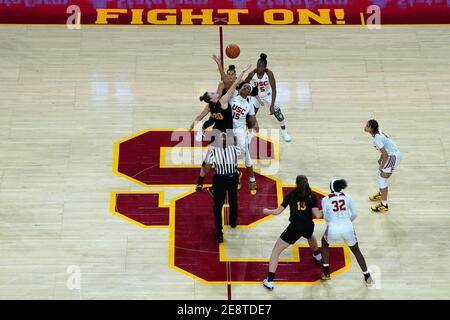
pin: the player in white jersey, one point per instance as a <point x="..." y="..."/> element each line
<point x="241" y="108"/>
<point x="389" y="159"/>
<point x="339" y="211"/>
<point x="264" y="79"/>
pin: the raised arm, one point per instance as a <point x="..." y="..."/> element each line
<point x="227" y="96"/>
<point x="223" y="75"/>
<point x="220" y="87"/>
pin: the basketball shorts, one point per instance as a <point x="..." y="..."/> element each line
<point x="292" y="233"/>
<point x="392" y="162"/>
<point x="337" y="232"/>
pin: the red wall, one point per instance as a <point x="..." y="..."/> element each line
<point x="392" y="12"/>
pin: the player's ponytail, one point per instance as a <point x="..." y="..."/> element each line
<point x="231" y="67"/>
<point x="263" y="59"/>
<point x="302" y="190"/>
<point x="205" y="97"/>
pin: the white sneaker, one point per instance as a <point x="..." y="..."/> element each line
<point x="369" y="281"/>
<point x="318" y="258"/>
<point x="199" y="136"/>
<point x="268" y="284"/>
<point x="286" y="136"/>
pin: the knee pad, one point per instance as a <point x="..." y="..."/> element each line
<point x="279" y="115"/>
<point x="382" y="182"/>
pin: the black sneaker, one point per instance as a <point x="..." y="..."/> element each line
<point x="326" y="273"/>
<point x="233" y="224"/>
<point x="199" y="187"/>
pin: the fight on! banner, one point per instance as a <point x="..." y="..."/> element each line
<point x="225" y="12"/>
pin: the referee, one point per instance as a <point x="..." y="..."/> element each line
<point x="223" y="154"/>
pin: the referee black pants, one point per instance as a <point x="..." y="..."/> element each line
<point x="223" y="184"/>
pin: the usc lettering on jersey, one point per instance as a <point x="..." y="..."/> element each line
<point x="240" y="108"/>
<point x="237" y="112"/>
<point x="263" y="84"/>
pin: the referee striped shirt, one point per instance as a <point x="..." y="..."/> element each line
<point x="224" y="159"/>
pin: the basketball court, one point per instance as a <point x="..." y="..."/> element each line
<point x="84" y="112"/>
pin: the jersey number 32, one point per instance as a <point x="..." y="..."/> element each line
<point x="338" y="205"/>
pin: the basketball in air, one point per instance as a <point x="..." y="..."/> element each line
<point x="232" y="51"/>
